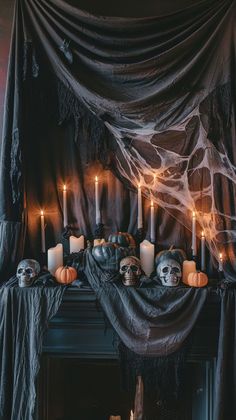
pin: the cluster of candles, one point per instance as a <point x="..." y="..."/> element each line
<point x="147" y="249"/>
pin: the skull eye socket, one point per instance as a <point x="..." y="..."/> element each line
<point x="124" y="268"/>
<point x="134" y="268"/>
<point x="165" y="270"/>
<point x="175" y="270"/>
<point x="20" y="270"/>
<point x="29" y="270"/>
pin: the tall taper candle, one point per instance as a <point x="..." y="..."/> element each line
<point x="203" y="255"/>
<point x="152" y="223"/>
<point x="140" y="209"/>
<point x="43" y="246"/>
<point x="220" y="262"/>
<point x="194" y="239"/>
<point x="98" y="214"/>
<point x="65" y="217"/>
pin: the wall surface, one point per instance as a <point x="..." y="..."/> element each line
<point x="6" y="16"/>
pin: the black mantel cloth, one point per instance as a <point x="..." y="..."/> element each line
<point x="24" y="317"/>
<point x="151" y="322"/>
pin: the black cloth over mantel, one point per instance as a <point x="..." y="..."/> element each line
<point x="146" y="97"/>
<point x="24" y="317"/>
<point x="150" y="322"/>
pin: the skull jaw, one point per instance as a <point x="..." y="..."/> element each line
<point x="25" y="281"/>
<point x="170" y="281"/>
<point x="130" y="280"/>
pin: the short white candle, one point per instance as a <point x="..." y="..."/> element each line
<point x="147" y="251"/>
<point x="76" y="244"/>
<point x="43" y="245"/>
<point x="55" y="258"/>
<point x="194" y="239"/>
<point x="220" y="261"/>
<point x="203" y="254"/>
<point x="97" y="207"/>
<point x="152" y="223"/>
<point x="188" y="267"/>
<point x="65" y="216"/>
<point x="140" y="209"/>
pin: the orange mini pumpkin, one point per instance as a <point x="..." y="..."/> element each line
<point x="197" y="279"/>
<point x="65" y="275"/>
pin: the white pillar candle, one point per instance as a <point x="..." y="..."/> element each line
<point x="152" y="223"/>
<point x="43" y="245"/>
<point x="76" y="244"/>
<point x="188" y="267"/>
<point x="65" y="217"/>
<point x="220" y="262"/>
<point x="194" y="239"/>
<point x="97" y="207"/>
<point x="147" y="251"/>
<point x="55" y="258"/>
<point x="140" y="209"/>
<point x="203" y="253"/>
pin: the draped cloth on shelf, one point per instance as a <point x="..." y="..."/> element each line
<point x="152" y="99"/>
<point x="151" y="322"/>
<point x="24" y="315"/>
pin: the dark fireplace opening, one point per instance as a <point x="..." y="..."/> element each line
<point x="91" y="389"/>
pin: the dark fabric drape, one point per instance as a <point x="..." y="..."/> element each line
<point x="24" y="315"/>
<point x="225" y="381"/>
<point x="154" y="97"/>
<point x="152" y="322"/>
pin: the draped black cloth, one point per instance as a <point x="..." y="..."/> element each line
<point x="225" y="382"/>
<point x="152" y="99"/>
<point x="24" y="317"/>
<point x="151" y="322"/>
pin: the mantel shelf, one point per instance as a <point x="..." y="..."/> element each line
<point x="80" y="330"/>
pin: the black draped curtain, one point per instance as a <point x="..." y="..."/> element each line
<point x="133" y="100"/>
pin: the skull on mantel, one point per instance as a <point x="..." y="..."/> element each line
<point x="169" y="267"/>
<point x="130" y="269"/>
<point x="27" y="272"/>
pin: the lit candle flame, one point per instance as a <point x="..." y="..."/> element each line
<point x="152" y="204"/>
<point x="42" y="213"/>
<point x="64" y="187"/>
<point x="96" y="178"/>
<point x="194" y="214"/>
<point x="139" y="185"/>
<point x="203" y="234"/>
<point x="221" y="256"/>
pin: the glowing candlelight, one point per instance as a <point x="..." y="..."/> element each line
<point x="220" y="262"/>
<point x="140" y="209"/>
<point x="43" y="246"/>
<point x="194" y="239"/>
<point x="97" y="209"/>
<point x="152" y="222"/>
<point x="65" y="217"/>
<point x="203" y="256"/>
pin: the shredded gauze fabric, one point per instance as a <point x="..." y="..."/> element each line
<point x="24" y="315"/>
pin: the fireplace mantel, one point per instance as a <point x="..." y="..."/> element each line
<point x="79" y="338"/>
<point x="79" y="328"/>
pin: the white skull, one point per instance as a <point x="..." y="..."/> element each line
<point x="27" y="271"/>
<point x="169" y="272"/>
<point x="130" y="269"/>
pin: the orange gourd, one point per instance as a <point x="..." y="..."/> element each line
<point x="65" y="274"/>
<point x="197" y="279"/>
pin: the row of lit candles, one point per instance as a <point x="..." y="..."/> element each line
<point x="139" y="224"/>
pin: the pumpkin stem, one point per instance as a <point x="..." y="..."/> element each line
<point x="171" y="247"/>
